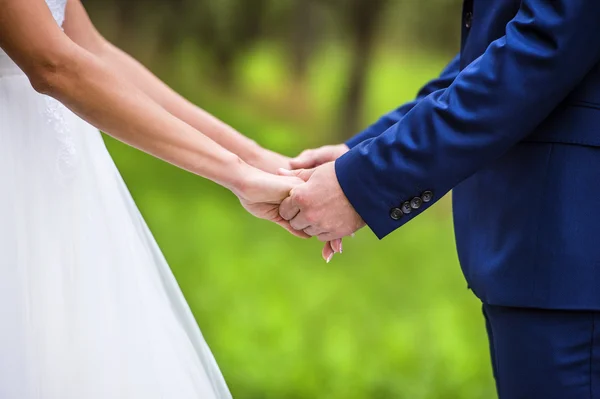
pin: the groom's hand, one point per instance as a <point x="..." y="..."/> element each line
<point x="319" y="207"/>
<point x="318" y="156"/>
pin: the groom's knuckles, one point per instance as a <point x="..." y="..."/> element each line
<point x="306" y="218"/>
<point x="299" y="198"/>
<point x="310" y="217"/>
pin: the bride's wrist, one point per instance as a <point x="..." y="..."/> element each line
<point x="254" y="153"/>
<point x="241" y="173"/>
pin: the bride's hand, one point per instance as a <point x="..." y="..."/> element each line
<point x="269" y="161"/>
<point x="331" y="248"/>
<point x="262" y="194"/>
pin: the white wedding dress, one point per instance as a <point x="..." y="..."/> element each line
<point x="89" y="309"/>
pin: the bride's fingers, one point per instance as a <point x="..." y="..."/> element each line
<point x="328" y="252"/>
<point x="285" y="172"/>
<point x="331" y="248"/>
<point x="336" y="245"/>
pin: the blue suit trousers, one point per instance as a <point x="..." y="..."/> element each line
<point x="544" y="354"/>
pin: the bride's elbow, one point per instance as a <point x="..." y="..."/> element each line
<point x="52" y="74"/>
<point x="42" y="81"/>
<point x="46" y="78"/>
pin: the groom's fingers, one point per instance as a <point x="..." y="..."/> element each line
<point x="288" y="210"/>
<point x="300" y="222"/>
<point x="313" y="231"/>
<point x="303" y="174"/>
<point x="286" y="225"/>
<point x="325" y="237"/>
<point x="306" y="159"/>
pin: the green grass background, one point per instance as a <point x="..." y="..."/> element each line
<point x="387" y="319"/>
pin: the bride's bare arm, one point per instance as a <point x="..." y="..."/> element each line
<point x="81" y="30"/>
<point x="58" y="67"/>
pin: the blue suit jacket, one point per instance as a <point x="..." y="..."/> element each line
<point x="513" y="126"/>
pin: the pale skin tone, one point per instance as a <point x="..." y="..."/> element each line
<point x="118" y="96"/>
<point x="319" y="207"/>
<point x="80" y="29"/>
<point x="306" y="208"/>
<point x="312" y="158"/>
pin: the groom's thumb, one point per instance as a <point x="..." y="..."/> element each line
<point x="303" y="174"/>
<point x="306" y="159"/>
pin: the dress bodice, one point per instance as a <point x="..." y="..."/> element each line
<point x="57" y="7"/>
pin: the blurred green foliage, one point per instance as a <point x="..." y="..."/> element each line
<point x="386" y="319"/>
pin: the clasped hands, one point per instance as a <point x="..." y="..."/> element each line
<point x="319" y="207"/>
<point x="305" y="199"/>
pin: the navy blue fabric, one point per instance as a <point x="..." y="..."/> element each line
<point x="544" y="354"/>
<point x="516" y="135"/>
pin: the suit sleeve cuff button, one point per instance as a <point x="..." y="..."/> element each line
<point x="406" y="208"/>
<point x="396" y="214"/>
<point x="416" y="203"/>
<point x="427" y="196"/>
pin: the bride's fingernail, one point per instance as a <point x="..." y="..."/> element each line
<point x="341" y="248"/>
<point x="329" y="258"/>
<point x="352" y="235"/>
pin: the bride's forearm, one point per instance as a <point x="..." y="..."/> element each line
<point x="177" y="105"/>
<point x="63" y="69"/>
<point x="80" y="29"/>
<point x="110" y="102"/>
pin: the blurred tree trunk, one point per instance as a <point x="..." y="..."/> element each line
<point x="228" y="32"/>
<point x="225" y="57"/>
<point x="302" y="37"/>
<point x="126" y="12"/>
<point x="362" y="18"/>
<point x="173" y="29"/>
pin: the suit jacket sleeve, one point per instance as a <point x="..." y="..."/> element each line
<point x="494" y="103"/>
<point x="385" y="122"/>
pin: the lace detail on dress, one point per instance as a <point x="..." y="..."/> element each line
<point x="57" y="7"/>
<point x="55" y="112"/>
<point x="67" y="152"/>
